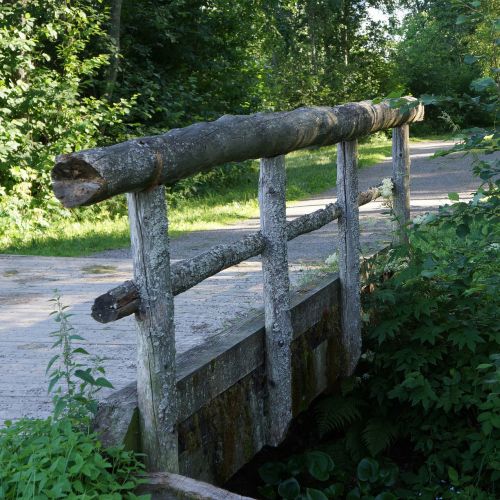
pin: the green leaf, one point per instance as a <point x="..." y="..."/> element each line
<point x="453" y="475"/>
<point x="272" y="472"/>
<point x="385" y="496"/>
<point x="85" y="376"/>
<point x="289" y="489"/>
<point x="319" y="465"/>
<point x="51" y="362"/>
<point x="461" y="19"/>
<point x="313" y="494"/>
<point x="80" y="350"/>
<point x="462" y="230"/>
<point x="103" y="382"/>
<point x="470" y="59"/>
<point x="454" y="196"/>
<point x="482" y="84"/>
<point x="334" y="490"/>
<point x="368" y="470"/>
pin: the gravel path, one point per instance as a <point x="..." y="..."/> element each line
<point x="27" y="283"/>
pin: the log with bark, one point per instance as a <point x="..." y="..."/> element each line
<point x="167" y="486"/>
<point x="90" y="176"/>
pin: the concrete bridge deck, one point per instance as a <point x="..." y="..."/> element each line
<point x="202" y="313"/>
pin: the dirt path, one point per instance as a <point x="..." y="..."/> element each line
<point x="27" y="284"/>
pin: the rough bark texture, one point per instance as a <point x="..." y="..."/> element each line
<point x="165" y="486"/>
<point x="123" y="300"/>
<point x="401" y="178"/>
<point x="222" y="389"/>
<point x="156" y="380"/>
<point x="349" y="269"/>
<point x="272" y="201"/>
<point x="93" y="175"/>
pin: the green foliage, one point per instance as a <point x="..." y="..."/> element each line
<point x="45" y="106"/>
<point x="435" y="330"/>
<point x="74" y="383"/>
<point x="60" y="457"/>
<point x="53" y="459"/>
<point x="421" y="415"/>
<point x="314" y="476"/>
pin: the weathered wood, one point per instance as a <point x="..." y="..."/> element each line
<point x="123" y="300"/>
<point x="156" y="380"/>
<point x="348" y="248"/>
<point x="276" y="281"/>
<point x="222" y="391"/>
<point x="86" y="177"/>
<point x="167" y="486"/>
<point x="401" y="179"/>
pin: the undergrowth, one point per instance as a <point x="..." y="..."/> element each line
<point x="420" y="418"/>
<point x="60" y="456"/>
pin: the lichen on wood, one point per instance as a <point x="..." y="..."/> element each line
<point x="87" y="177"/>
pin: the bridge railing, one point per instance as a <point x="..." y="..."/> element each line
<point x="142" y="167"/>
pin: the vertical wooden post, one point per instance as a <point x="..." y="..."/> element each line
<point x="156" y="380"/>
<point x="272" y="200"/>
<point x="348" y="224"/>
<point x="401" y="179"/>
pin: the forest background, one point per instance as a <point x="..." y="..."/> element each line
<point x="75" y="74"/>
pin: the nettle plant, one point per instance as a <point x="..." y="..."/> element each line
<point x="74" y="383"/>
<point x="60" y="457"/>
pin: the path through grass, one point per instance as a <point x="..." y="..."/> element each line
<point x="309" y="172"/>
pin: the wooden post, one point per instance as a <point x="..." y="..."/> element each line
<point x="272" y="200"/>
<point x="156" y="380"/>
<point x="348" y="224"/>
<point x="401" y="179"/>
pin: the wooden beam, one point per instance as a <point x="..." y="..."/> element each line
<point x="156" y="379"/>
<point x="165" y="486"/>
<point x="348" y="248"/>
<point x="401" y="179"/>
<point x="93" y="175"/>
<point x="123" y="300"/>
<point x="279" y="333"/>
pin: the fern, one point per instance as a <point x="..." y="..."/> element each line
<point x="336" y="413"/>
<point x="378" y="434"/>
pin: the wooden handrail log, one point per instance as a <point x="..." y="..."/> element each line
<point x="93" y="175"/>
<point x="124" y="300"/>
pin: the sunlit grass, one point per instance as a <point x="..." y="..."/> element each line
<point x="308" y="172"/>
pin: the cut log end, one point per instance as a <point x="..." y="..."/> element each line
<point x="77" y="183"/>
<point x="116" y="303"/>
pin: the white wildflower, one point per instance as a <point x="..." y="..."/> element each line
<point x="332" y="260"/>
<point x="386" y="188"/>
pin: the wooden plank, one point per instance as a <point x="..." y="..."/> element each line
<point x="401" y="178"/>
<point x="349" y="253"/>
<point x="279" y="333"/>
<point x="156" y="378"/>
<point x="93" y="175"/>
<point x="122" y="300"/>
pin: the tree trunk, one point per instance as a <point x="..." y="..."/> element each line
<point x="114" y="35"/>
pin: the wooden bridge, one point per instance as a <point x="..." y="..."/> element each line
<point x="206" y="413"/>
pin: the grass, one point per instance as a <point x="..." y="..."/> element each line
<point x="308" y="172"/>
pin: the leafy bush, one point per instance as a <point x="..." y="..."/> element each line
<point x="53" y="459"/>
<point x="421" y="415"/>
<point x="60" y="457"/>
<point x="46" y="69"/>
<point x="426" y="391"/>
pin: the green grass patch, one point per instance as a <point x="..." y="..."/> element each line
<point x="309" y="172"/>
